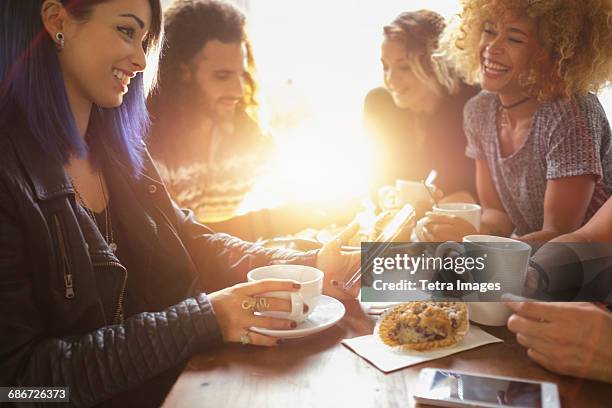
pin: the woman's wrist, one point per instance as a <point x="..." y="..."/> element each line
<point x="603" y="361"/>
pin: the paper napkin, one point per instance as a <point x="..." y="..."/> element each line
<point x="372" y="349"/>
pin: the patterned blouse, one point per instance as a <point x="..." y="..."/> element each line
<point x="567" y="138"/>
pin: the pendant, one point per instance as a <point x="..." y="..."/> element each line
<point x="113" y="247"/>
<point x="503" y="118"/>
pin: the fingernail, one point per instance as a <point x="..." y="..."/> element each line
<point x="334" y="282"/>
<point x="297" y="286"/>
<point x="305" y="308"/>
<point x="293" y="325"/>
<point x="279" y="341"/>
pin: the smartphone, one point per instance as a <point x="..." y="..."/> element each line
<point x="447" y="388"/>
<point x="404" y="218"/>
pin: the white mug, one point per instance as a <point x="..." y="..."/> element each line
<point x="404" y="192"/>
<point x="508" y="258"/>
<point x="468" y="211"/>
<point x="310" y="279"/>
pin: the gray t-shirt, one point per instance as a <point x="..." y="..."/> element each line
<point x="567" y="138"/>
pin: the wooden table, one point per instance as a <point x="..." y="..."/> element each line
<point x="318" y="371"/>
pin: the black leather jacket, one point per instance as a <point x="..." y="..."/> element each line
<point x="61" y="288"/>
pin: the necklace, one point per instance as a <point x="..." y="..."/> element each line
<point x="503" y="111"/>
<point x="515" y="104"/>
<point x="108" y="224"/>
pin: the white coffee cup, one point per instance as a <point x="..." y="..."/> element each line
<point x="468" y="211"/>
<point x="508" y="259"/>
<point x="404" y="192"/>
<point x="310" y="279"/>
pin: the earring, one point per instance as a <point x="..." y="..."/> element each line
<point x="59" y="36"/>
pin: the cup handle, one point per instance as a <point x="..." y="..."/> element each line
<point x="297" y="305"/>
<point x="447" y="246"/>
<point x="441" y="252"/>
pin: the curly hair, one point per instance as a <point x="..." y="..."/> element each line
<point x="575" y="41"/>
<point x="420" y="31"/>
<point x="189" y="25"/>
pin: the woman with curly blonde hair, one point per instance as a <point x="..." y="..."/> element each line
<point x="539" y="135"/>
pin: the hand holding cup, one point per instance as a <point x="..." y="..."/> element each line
<point x="449" y="222"/>
<point x="234" y="319"/>
<point x="444" y="227"/>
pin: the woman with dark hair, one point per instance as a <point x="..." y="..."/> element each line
<point x="417" y="117"/>
<point x="101" y="274"/>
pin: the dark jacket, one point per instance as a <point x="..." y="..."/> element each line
<point x="61" y="288"/>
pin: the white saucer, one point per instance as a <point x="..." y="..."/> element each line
<point x="328" y="312"/>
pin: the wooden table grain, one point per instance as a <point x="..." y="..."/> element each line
<point x="318" y="371"/>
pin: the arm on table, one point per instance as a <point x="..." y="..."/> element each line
<point x="225" y="260"/>
<point x="561" y="263"/>
<point x="597" y="229"/>
<point x="565" y="204"/>
<point x="566" y="338"/>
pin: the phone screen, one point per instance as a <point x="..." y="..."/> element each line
<point x="496" y="391"/>
<point x="390" y="232"/>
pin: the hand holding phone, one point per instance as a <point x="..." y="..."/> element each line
<point x="402" y="219"/>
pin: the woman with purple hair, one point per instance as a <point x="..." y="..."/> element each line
<point x="102" y="276"/>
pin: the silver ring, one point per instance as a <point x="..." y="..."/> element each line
<point x="245" y="338"/>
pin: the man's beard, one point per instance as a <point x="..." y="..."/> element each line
<point x="210" y="109"/>
<point x="224" y="114"/>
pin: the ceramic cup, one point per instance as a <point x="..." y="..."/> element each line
<point x="404" y="192"/>
<point x="468" y="211"/>
<point x="506" y="262"/>
<point x="310" y="278"/>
